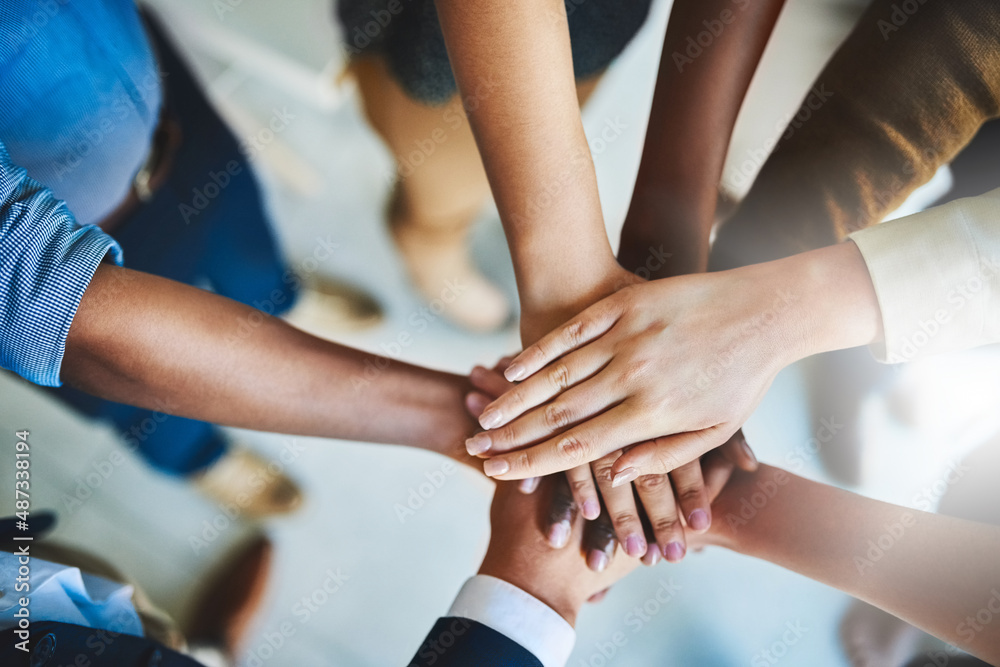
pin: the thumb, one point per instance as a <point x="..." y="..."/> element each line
<point x="665" y="454"/>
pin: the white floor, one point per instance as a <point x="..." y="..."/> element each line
<point x="402" y="575"/>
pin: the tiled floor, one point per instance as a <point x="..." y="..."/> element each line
<point x="401" y="574"/>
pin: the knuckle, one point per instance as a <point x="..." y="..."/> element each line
<point x="652" y="483"/>
<point x="573" y="333"/>
<point x="572" y="448"/>
<point x="691" y="495"/>
<point x="581" y="487"/>
<point x="557" y="416"/>
<point x="665" y="524"/>
<point x="602" y="473"/>
<point x="666" y="459"/>
<point x="559" y="376"/>
<point x="622" y="520"/>
<point x="520" y="461"/>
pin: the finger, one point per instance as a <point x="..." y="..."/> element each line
<point x="539" y="388"/>
<point x="561" y="515"/>
<point x="581" y="482"/>
<point x="657" y="496"/>
<point x="503" y="363"/>
<point x="652" y="556"/>
<point x="489" y="382"/>
<point x="598" y="596"/>
<point x="599" y="542"/>
<point x="716" y="469"/>
<point x="739" y="453"/>
<point x="620" y="504"/>
<point x="585" y="327"/>
<point x="577" y="404"/>
<point x="608" y="432"/>
<point x="476" y="402"/>
<point x="668" y="453"/>
<point x="689" y="486"/>
<point x="529" y="486"/>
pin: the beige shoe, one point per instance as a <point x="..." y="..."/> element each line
<point x="438" y="262"/>
<point x="243" y="480"/>
<point x="326" y="307"/>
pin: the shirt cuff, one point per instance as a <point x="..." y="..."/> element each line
<point x="937" y="278"/>
<point x="517" y="615"/>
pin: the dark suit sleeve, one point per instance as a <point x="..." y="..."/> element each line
<point x="459" y="642"/>
<point x="53" y="644"/>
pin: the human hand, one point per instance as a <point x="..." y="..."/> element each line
<point x="663" y="499"/>
<point x="676" y="365"/>
<point x="520" y="555"/>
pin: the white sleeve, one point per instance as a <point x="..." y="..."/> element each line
<point x="517" y="615"/>
<point x="937" y="278"/>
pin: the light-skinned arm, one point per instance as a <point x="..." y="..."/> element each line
<point x="935" y="572"/>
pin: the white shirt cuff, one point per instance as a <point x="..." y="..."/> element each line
<point x="937" y="278"/>
<point x="517" y="615"/>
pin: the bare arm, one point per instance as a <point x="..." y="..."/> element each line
<point x="514" y="68"/>
<point x="147" y="341"/>
<point x="699" y="91"/>
<point x="933" y="571"/>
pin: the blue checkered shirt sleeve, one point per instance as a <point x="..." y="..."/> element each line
<point x="47" y="260"/>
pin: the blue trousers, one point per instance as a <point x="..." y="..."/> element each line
<point x="206" y="227"/>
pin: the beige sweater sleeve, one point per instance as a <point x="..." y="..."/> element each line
<point x="937" y="278"/>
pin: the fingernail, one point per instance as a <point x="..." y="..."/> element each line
<point x="626" y="476"/>
<point x="749" y="452"/>
<point x="490" y="418"/>
<point x="597" y="560"/>
<point x="652" y="556"/>
<point x="591" y="509"/>
<point x="635" y="546"/>
<point x="514" y="372"/>
<point x="674" y="552"/>
<point x="528" y="486"/>
<point x="699" y="520"/>
<point x="494" y="467"/>
<point x="559" y="534"/>
<point x="478" y="444"/>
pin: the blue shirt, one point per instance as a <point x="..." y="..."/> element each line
<point x="80" y="99"/>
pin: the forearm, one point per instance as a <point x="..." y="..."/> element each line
<point x="514" y="68"/>
<point x="699" y="91"/>
<point x="155" y="343"/>
<point x="930" y="570"/>
<point x="809" y="303"/>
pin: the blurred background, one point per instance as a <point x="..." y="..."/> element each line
<point x="327" y="179"/>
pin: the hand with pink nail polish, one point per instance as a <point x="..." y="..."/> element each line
<point x="520" y="554"/>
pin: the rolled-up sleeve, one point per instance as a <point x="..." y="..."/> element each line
<point x="47" y="261"/>
<point x="937" y="278"/>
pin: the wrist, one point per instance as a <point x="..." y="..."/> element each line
<point x="545" y="586"/>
